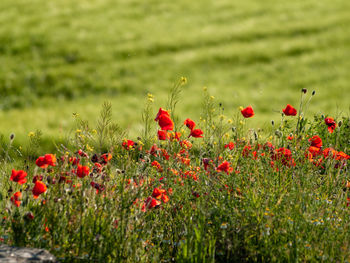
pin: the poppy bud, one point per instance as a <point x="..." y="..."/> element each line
<point x="278" y="133"/>
<point x="313" y="93"/>
<point x="273" y="123"/>
<point x="340" y="123"/>
<point x="233" y="129"/>
<point x="12" y="136"/>
<point x="304" y="90"/>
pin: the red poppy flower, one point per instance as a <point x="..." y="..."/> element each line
<point x="157" y="165"/>
<point x="153" y="203"/>
<point x="150" y="203"/>
<point x="165" y="122"/>
<point x="230" y="145"/>
<point x="161" y="112"/>
<point x="82" y="171"/>
<point x="157" y="193"/>
<point x="165" y="198"/>
<point x="290" y="137"/>
<point x="289" y="110"/>
<point x="248" y="112"/>
<point x="342" y="156"/>
<point x="82" y="153"/>
<point x="162" y="135"/>
<point x="165" y="154"/>
<point x="106" y="157"/>
<point x="46" y="160"/>
<point x="154" y="150"/>
<point x="50" y="159"/>
<point x="97" y="168"/>
<point x="196" y="133"/>
<point x="190" y="124"/>
<point x="313" y="152"/>
<point x="329" y="152"/>
<point x="284" y="155"/>
<point x="128" y="144"/>
<point x="316" y="141"/>
<point x="18" y="176"/>
<point x="41" y="162"/>
<point x="15" y="199"/>
<point x="224" y="167"/>
<point x="246" y="150"/>
<point x="38" y="189"/>
<point x="331" y="124"/>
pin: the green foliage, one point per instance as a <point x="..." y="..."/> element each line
<point x="266" y="206"/>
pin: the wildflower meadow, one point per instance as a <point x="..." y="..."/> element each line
<point x="213" y="189"/>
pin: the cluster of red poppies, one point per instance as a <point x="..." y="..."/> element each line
<point x="278" y="157"/>
<point x="39" y="186"/>
<point x="289" y="110"/>
<point x="49" y="160"/>
<point x="154" y="200"/>
<point x="317" y="155"/>
<point x="166" y="124"/>
<point x="20" y="178"/>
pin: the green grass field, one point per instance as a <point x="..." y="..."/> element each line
<point x="60" y="57"/>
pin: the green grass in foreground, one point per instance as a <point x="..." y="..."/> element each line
<point x="60" y="57"/>
<point x="236" y="195"/>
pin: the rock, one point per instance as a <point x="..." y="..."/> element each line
<point x="24" y="255"/>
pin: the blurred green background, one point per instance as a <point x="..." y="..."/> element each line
<point x="64" y="56"/>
